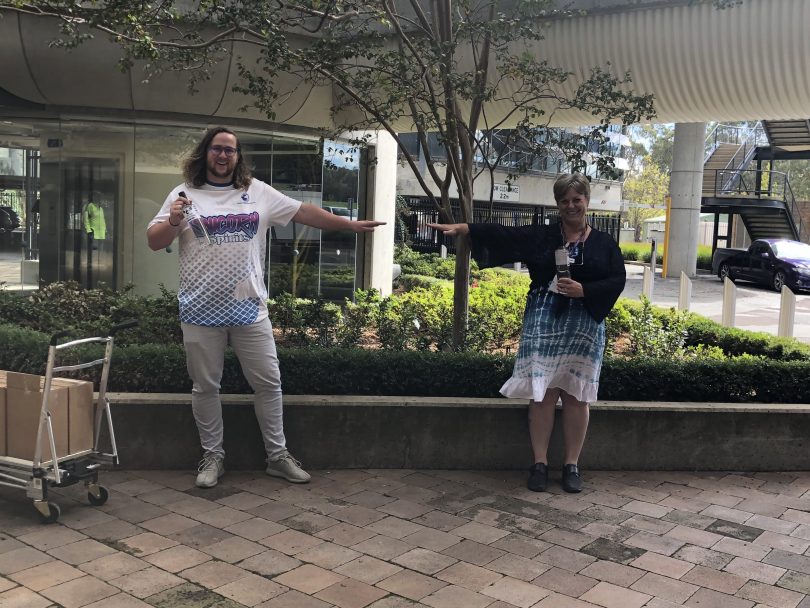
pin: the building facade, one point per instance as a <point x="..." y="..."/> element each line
<point x="88" y="154"/>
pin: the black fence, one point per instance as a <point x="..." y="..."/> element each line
<point x="424" y="239"/>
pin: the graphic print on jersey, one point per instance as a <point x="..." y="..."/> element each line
<point x="222" y="284"/>
<point x="234" y="227"/>
<point x="233" y="290"/>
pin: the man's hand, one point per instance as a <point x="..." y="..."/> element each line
<point x="176" y="214"/>
<point x="365" y="225"/>
<point x="312" y="215"/>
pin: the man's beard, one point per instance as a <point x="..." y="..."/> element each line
<point x="221" y="171"/>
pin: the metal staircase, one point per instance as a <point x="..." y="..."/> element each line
<point x="717" y="160"/>
<point x="761" y="198"/>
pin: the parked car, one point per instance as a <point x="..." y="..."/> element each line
<point x="352" y="215"/>
<point x="9" y="220"/>
<point x="770" y="262"/>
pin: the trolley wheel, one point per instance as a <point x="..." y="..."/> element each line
<point x="53" y="513"/>
<point x="99" y="500"/>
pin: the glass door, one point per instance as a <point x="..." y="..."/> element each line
<point x="90" y="192"/>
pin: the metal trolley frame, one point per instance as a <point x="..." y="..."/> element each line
<point x="37" y="476"/>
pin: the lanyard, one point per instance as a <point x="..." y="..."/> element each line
<point x="573" y="247"/>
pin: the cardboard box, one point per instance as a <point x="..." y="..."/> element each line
<point x="81" y="410"/>
<point x="71" y="406"/>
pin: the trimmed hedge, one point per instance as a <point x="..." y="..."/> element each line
<point x="701" y="330"/>
<point x="705" y="381"/>
<point x="736" y="341"/>
<point x="162" y="369"/>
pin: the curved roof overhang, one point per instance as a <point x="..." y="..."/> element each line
<point x="87" y="78"/>
<point x="745" y="63"/>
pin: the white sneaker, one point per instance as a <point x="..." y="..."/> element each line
<point x="211" y="468"/>
<point x="289" y="468"/>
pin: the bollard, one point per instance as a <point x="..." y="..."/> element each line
<point x="729" y="303"/>
<point x="787" y="313"/>
<point x="443" y="251"/>
<point x="647" y="284"/>
<point x="653" y="257"/>
<point x="685" y="292"/>
<point x="517" y="266"/>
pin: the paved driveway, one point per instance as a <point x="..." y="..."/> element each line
<point x="401" y="538"/>
<point x="757" y="307"/>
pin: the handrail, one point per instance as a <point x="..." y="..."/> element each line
<point x="730" y="134"/>
<point x="773" y="188"/>
<point x="790" y="198"/>
<point x="748" y="147"/>
<point x="773" y="185"/>
<point x="721" y="134"/>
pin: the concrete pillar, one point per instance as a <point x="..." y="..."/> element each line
<point x="685" y="188"/>
<point x="378" y="246"/>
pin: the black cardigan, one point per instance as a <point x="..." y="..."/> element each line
<point x="601" y="274"/>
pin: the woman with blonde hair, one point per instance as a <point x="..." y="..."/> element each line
<point x="577" y="274"/>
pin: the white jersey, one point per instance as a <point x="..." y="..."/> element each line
<point x="221" y="272"/>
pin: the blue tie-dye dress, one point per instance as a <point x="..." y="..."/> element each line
<point x="563" y="339"/>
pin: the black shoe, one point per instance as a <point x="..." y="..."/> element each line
<point x="538" y="477"/>
<point x="571" y="481"/>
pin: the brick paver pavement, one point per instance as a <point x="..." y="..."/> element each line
<point x="401" y="538"/>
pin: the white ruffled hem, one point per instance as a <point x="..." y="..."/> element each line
<point x="535" y="388"/>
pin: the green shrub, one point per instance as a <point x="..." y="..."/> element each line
<point x="85" y="312"/>
<point x="736" y="342"/>
<point x="413" y="262"/>
<point x="418" y="281"/>
<point x="429" y="264"/>
<point x="417" y="319"/>
<point x="633" y="252"/>
<point x="647" y="256"/>
<point x="495" y="314"/>
<point x="505" y="278"/>
<point x="358" y="316"/>
<point x="657" y="335"/>
<point x="704" y="257"/>
<point x="618" y="321"/>
<point x="705" y="380"/>
<point x="162" y="369"/>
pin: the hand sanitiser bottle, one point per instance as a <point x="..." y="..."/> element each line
<point x="196" y="222"/>
<point x="562" y="261"/>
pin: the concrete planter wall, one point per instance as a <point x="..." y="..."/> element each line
<point x="336" y="432"/>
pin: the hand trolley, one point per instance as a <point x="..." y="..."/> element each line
<point x="37" y="475"/>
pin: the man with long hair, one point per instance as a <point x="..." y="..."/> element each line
<point x="221" y="215"/>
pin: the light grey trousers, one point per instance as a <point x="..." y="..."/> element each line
<point x="256" y="350"/>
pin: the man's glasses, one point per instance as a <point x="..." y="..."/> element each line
<point x="217" y="150"/>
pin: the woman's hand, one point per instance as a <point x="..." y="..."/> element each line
<point x="570" y="288"/>
<point x="451" y="229"/>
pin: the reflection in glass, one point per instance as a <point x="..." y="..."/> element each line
<point x="341" y="171"/>
<point x="294" y="168"/>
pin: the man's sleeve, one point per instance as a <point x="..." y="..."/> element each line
<point x="282" y="207"/>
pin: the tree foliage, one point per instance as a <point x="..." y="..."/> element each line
<point x="459" y="70"/>
<point x="799" y="175"/>
<point x="646" y="192"/>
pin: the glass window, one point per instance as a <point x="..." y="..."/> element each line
<point x="341" y="171"/>
<point x="76" y="197"/>
<point x="156" y="170"/>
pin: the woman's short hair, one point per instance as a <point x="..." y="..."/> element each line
<point x="195" y="164"/>
<point x="577" y="181"/>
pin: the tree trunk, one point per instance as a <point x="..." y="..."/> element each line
<point x="461" y="292"/>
